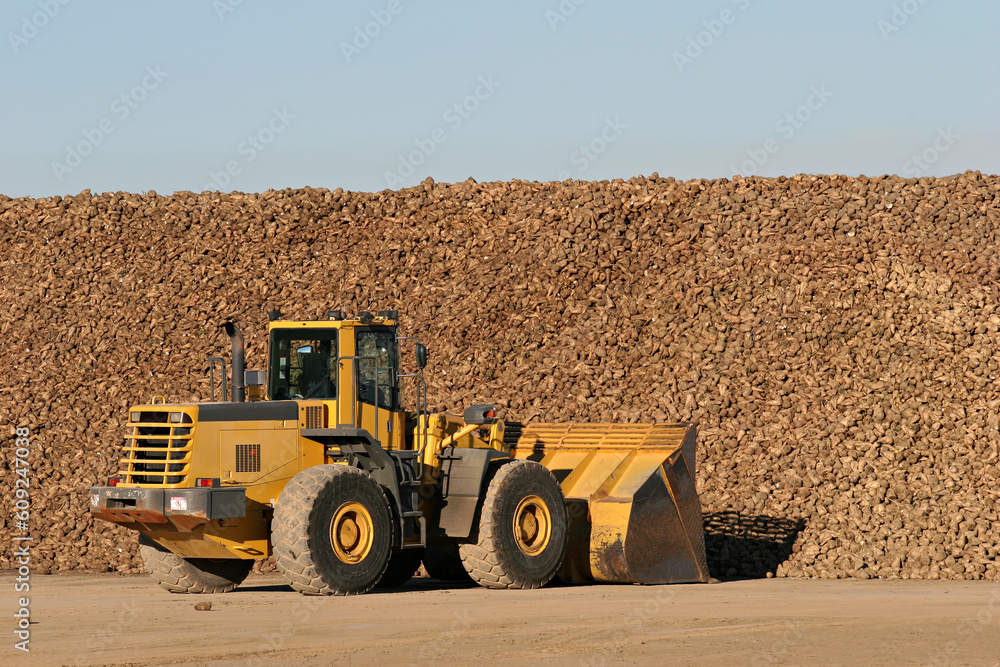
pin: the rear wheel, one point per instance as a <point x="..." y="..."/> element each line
<point x="332" y="531"/>
<point x="191" y="575"/>
<point x="522" y="532"/>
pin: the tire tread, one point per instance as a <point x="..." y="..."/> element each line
<point x="181" y="575"/>
<point x="484" y="559"/>
<point x="290" y="529"/>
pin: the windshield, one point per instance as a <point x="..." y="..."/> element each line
<point x="303" y="364"/>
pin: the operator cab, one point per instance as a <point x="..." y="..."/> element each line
<point x="306" y="359"/>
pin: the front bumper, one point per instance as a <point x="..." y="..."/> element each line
<point x="184" y="508"/>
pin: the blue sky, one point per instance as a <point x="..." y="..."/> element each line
<point x="364" y="95"/>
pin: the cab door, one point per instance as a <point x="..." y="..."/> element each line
<point x="377" y="384"/>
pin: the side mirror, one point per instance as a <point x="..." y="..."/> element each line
<point x="421" y="356"/>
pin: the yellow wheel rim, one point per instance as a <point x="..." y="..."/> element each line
<point x="351" y="532"/>
<point x="532" y="525"/>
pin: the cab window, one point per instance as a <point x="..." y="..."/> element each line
<point x="303" y="364"/>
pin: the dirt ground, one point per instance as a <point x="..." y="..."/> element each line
<point x="114" y="620"/>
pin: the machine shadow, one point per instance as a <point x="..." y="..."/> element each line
<point x="415" y="584"/>
<point x="265" y="588"/>
<point x="737" y="546"/>
<point x="426" y="584"/>
<point x="744" y="546"/>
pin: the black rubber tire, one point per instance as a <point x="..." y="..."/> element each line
<point x="493" y="557"/>
<point x="403" y="564"/>
<point x="191" y="575"/>
<point x="301" y="531"/>
<point x="443" y="561"/>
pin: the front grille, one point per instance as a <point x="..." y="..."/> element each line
<point x="157" y="451"/>
<point x="314" y="416"/>
<point x="247" y="458"/>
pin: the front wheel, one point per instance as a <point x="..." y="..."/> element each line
<point x="191" y="575"/>
<point x="523" y="529"/>
<point x="332" y="531"/>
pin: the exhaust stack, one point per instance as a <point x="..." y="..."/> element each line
<point x="239" y="386"/>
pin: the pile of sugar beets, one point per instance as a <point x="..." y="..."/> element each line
<point x="835" y="339"/>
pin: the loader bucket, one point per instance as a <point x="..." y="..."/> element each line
<point x="630" y="492"/>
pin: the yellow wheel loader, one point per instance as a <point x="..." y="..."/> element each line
<point x="317" y="463"/>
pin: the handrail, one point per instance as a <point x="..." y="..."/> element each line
<point x="211" y="377"/>
<point x="422" y="423"/>
<point x="423" y="426"/>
